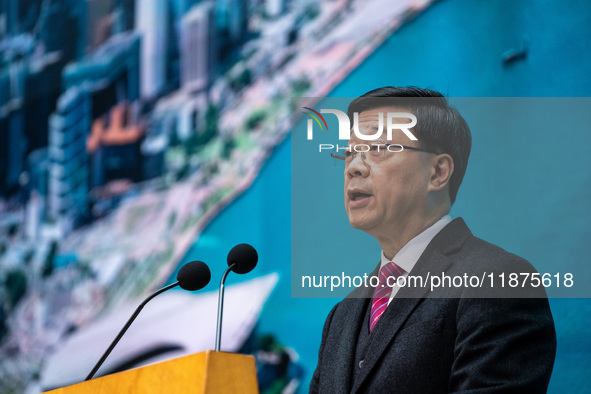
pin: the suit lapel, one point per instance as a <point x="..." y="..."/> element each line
<point x="433" y="260"/>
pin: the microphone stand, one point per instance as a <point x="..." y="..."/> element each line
<point x="218" y="337"/>
<point x="124" y="329"/>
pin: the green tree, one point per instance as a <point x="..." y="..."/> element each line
<point x="255" y="119"/>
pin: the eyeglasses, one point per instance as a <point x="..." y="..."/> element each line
<point x="375" y="152"/>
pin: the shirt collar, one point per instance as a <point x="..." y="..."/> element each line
<point x="407" y="257"/>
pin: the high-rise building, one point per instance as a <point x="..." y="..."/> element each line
<point x="198" y="48"/>
<point x="68" y="168"/>
<point x="151" y="21"/>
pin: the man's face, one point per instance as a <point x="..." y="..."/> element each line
<point x="382" y="193"/>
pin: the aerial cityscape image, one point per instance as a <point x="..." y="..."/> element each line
<point x="139" y="135"/>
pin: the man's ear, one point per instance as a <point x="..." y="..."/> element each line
<point x="442" y="166"/>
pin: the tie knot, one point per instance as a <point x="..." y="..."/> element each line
<point x="390" y="270"/>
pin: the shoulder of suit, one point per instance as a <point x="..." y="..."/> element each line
<point x="482" y="255"/>
<point x="477" y="255"/>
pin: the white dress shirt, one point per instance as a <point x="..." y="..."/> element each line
<point x="407" y="257"/>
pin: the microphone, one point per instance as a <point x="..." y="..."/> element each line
<point x="242" y="259"/>
<point x="192" y="276"/>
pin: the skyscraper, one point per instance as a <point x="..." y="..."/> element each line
<point x="198" y="48"/>
<point x="68" y="168"/>
<point x="151" y="19"/>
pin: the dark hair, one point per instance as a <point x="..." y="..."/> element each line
<point x="439" y="127"/>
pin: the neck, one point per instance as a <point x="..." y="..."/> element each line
<point x="392" y="242"/>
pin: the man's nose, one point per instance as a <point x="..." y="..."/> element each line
<point x="358" y="166"/>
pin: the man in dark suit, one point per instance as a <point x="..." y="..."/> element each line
<point x="413" y="339"/>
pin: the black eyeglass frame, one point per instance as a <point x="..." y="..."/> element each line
<point x="353" y="152"/>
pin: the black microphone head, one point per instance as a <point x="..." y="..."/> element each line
<point x="244" y="256"/>
<point x="194" y="275"/>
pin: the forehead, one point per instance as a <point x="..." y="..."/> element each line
<point x="368" y="122"/>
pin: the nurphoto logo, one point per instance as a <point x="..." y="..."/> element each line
<point x="345" y="125"/>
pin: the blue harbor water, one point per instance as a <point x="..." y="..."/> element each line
<point x="454" y="47"/>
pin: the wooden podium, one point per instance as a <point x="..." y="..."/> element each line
<point x="207" y="372"/>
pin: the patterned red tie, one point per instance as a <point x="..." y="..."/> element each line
<point x="382" y="293"/>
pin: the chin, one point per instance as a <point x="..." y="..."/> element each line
<point x="358" y="224"/>
<point x="354" y="225"/>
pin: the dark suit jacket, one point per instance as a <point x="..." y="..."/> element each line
<point x="426" y="344"/>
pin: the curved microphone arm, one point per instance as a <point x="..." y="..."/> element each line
<point x="218" y="336"/>
<point x="124" y="329"/>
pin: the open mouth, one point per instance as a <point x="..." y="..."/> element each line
<point x="356" y="195"/>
